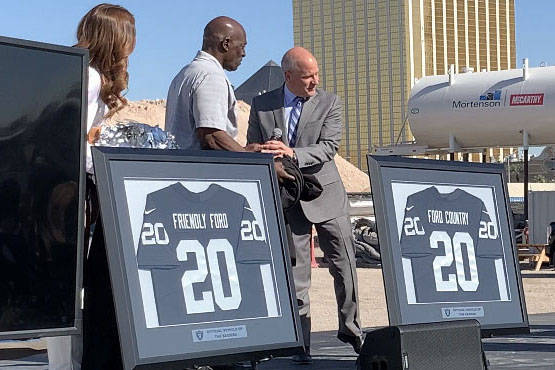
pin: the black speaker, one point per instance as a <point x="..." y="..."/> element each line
<point x="449" y="345"/>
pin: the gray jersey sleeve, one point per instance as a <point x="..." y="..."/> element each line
<point x="252" y="246"/>
<point x="489" y="243"/>
<point x="155" y="250"/>
<point x="414" y="241"/>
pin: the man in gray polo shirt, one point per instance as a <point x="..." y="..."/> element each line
<point x="200" y="110"/>
<point x="201" y="103"/>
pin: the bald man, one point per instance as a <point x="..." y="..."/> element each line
<point x="200" y="109"/>
<point x="311" y="120"/>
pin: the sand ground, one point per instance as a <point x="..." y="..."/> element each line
<point x="538" y="291"/>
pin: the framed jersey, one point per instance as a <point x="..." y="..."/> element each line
<point x="448" y="251"/>
<point x="198" y="259"/>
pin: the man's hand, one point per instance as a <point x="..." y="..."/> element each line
<point x="278" y="148"/>
<point x="254" y="147"/>
<point x="282" y="175"/>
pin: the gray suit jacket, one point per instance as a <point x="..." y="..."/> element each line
<point x="318" y="137"/>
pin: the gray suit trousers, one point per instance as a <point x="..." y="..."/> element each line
<point x="335" y="240"/>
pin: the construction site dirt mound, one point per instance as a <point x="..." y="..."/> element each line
<point x="152" y="112"/>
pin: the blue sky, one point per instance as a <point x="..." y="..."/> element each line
<point x="534" y="33"/>
<point x="169" y="33"/>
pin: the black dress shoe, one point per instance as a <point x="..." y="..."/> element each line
<point x="356" y="342"/>
<point x="302" y="359"/>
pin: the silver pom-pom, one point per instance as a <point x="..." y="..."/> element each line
<point x="136" y="135"/>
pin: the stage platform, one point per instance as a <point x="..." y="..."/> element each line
<point x="535" y="351"/>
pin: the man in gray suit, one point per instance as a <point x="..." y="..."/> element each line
<point x="311" y="120"/>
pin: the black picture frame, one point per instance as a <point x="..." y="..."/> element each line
<point x="393" y="180"/>
<point x="40" y="106"/>
<point x="118" y="172"/>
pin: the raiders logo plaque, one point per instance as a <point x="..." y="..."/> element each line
<point x="199" y="334"/>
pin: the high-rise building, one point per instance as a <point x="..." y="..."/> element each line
<point x="370" y="52"/>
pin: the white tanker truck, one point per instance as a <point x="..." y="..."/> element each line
<point x="484" y="109"/>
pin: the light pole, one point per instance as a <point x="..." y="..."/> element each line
<point x="511" y="157"/>
<point x="508" y="168"/>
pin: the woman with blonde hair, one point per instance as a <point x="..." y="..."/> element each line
<point x="108" y="32"/>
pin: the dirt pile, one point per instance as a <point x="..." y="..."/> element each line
<point x="153" y="113"/>
<point x="354" y="179"/>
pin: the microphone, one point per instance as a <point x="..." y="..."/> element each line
<point x="276" y="134"/>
